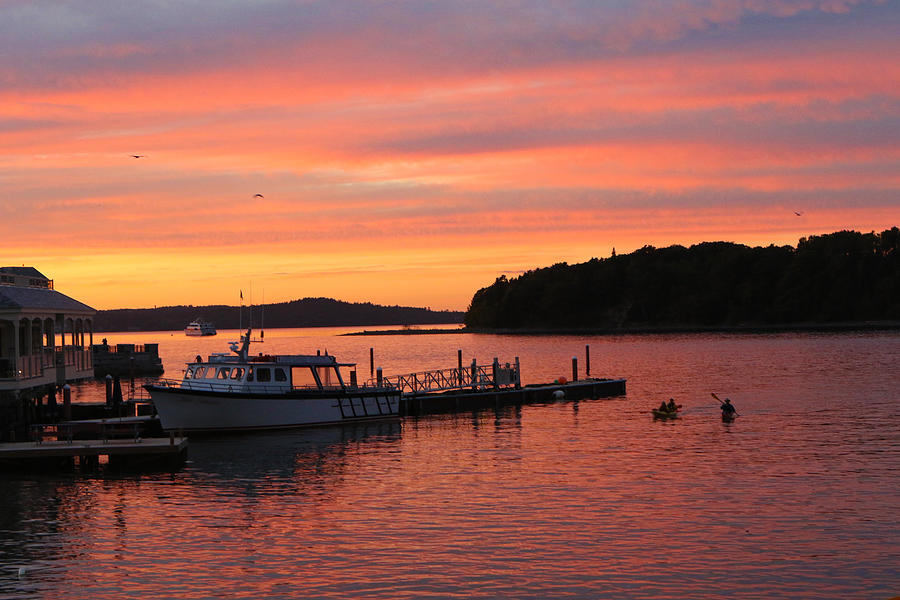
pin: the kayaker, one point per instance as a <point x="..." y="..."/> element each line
<point x="671" y="405"/>
<point x="728" y="409"/>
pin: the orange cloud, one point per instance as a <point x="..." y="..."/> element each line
<point x="410" y="154"/>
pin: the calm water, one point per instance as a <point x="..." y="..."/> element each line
<point x="593" y="499"/>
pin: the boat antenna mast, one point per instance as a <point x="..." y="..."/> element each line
<point x="244" y="351"/>
<point x="250" y="312"/>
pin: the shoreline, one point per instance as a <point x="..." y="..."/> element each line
<point x="657" y="330"/>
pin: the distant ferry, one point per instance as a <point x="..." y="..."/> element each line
<point x="200" y="327"/>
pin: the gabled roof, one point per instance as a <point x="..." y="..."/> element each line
<point x="27" y="298"/>
<point x="23" y="271"/>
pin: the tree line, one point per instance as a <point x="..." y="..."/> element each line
<point x="844" y="276"/>
<point x="307" y="312"/>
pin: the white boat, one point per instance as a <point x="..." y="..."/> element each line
<point x="200" y="327"/>
<point x="240" y="392"/>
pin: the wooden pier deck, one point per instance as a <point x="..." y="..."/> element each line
<point x="456" y="400"/>
<point x="120" y="453"/>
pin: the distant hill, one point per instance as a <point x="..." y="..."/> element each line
<point x="308" y="312"/>
<point x="839" y="277"/>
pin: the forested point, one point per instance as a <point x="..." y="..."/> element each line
<point x="840" y="277"/>
<point x="307" y="312"/>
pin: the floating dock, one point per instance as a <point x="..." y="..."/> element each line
<point x="456" y="400"/>
<point x="117" y="443"/>
<point x="119" y="453"/>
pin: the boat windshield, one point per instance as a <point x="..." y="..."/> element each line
<point x="329" y="377"/>
<point x="302" y="377"/>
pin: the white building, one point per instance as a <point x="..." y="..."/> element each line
<point x="45" y="336"/>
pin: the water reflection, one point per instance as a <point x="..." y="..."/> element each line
<point x="594" y="499"/>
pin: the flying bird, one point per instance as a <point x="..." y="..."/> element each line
<point x="799" y="214"/>
<point x="138" y="155"/>
<point x="258" y="196"/>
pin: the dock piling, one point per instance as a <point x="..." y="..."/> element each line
<point x="574" y="368"/>
<point x="67" y="402"/>
<point x="587" y="360"/>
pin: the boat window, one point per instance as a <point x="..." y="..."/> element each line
<point x="223" y="373"/>
<point x="250" y="374"/>
<point x="198" y="372"/>
<point x="328" y="377"/>
<point x="302" y="377"/>
<point x="263" y="375"/>
<point x="237" y="373"/>
<point x="280" y="375"/>
<point x="188" y="373"/>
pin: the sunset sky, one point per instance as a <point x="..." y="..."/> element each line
<point x="411" y="152"/>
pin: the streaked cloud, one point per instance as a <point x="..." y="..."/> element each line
<point x="397" y="143"/>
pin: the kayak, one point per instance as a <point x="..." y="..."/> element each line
<point x="728" y="418"/>
<point x="664" y="414"/>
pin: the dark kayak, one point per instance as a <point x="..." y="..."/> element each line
<point x="728" y="417"/>
<point x="664" y="414"/>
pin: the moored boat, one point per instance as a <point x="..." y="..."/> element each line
<point x="242" y="392"/>
<point x="199" y="327"/>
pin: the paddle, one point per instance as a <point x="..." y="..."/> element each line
<point x="721" y="402"/>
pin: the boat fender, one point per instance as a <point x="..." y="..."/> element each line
<point x="559" y="394"/>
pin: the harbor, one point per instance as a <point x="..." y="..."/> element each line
<point x="224" y="392"/>
<point x="130" y="432"/>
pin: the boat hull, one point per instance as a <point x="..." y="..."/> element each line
<point x="191" y="410"/>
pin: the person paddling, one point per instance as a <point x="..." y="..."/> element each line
<point x="671" y="406"/>
<point x="728" y="410"/>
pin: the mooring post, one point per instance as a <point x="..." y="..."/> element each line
<point x="574" y="368"/>
<point x="587" y="360"/>
<point x="474" y="375"/>
<point x="378" y="377"/>
<point x="67" y="402"/>
<point x="495" y="369"/>
<point x="518" y="375"/>
<point x="371" y="361"/>
<point x="353" y="378"/>
<point x="459" y="367"/>
<point x="109" y="382"/>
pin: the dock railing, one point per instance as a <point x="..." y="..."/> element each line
<point x="68" y="432"/>
<point x="474" y="377"/>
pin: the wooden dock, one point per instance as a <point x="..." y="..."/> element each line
<point x="120" y="453"/>
<point x="456" y="400"/>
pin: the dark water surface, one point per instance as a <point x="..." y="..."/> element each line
<point x="799" y="498"/>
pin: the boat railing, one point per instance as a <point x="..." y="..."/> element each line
<point x="222" y="387"/>
<point x="225" y="387"/>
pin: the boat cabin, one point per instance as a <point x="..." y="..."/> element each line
<point x="266" y="374"/>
